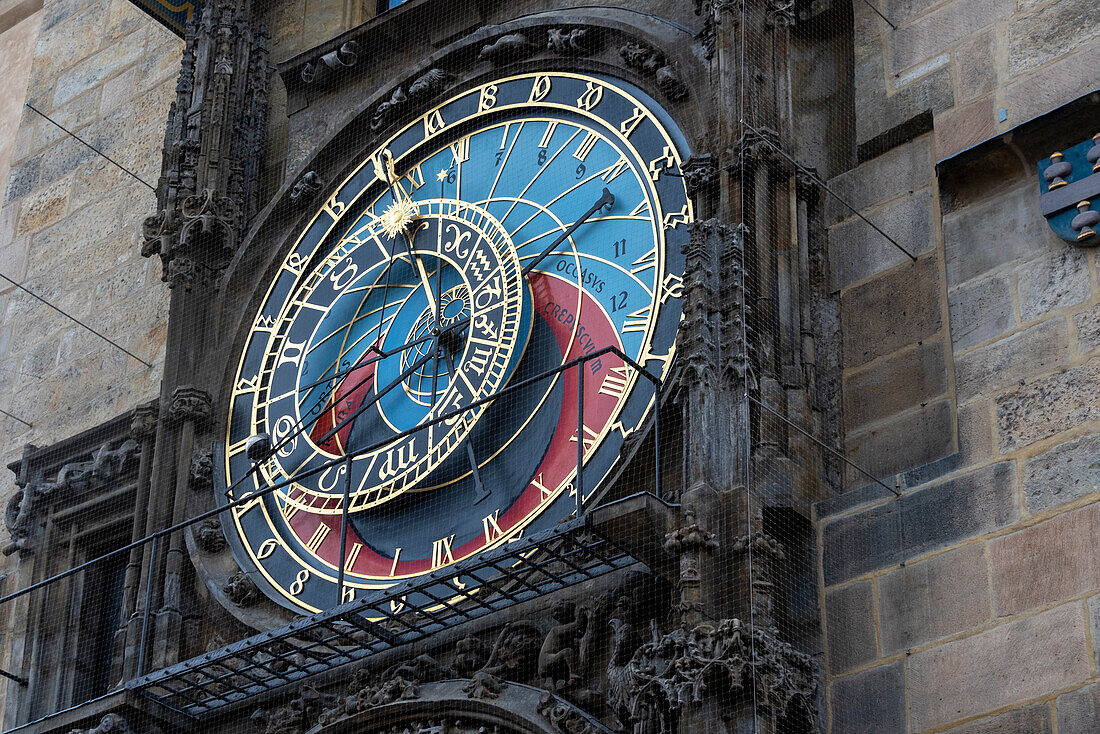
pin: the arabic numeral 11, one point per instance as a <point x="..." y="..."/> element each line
<point x="620" y="247"/>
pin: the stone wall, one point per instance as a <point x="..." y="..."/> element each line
<point x="971" y="602"/>
<point x="70" y="224"/>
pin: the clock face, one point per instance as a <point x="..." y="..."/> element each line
<point x="427" y="284"/>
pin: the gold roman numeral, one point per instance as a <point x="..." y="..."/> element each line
<point x="589" y="438"/>
<point x="586" y="146"/>
<point x="637" y="320"/>
<point x="612" y="172"/>
<point x="318" y="537"/>
<point x="441" y="552"/>
<point x="289" y="511"/>
<point x="615" y="384"/>
<point x="544" y="493"/>
<point x="550" y="128"/>
<point x="491" y="526"/>
<point x="461" y="150"/>
<point x="352" y="557"/>
<point x="645" y="262"/>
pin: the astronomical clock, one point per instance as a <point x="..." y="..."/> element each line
<point x="444" y="341"/>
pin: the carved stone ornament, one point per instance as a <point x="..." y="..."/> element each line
<point x="691" y="537"/>
<point x="308" y="186"/>
<point x="716" y="13"/>
<point x="724" y="660"/>
<point x="190" y="403"/>
<point x="564" y="652"/>
<point x="210" y="536"/>
<point x="424" y="87"/>
<point x="563" y="717"/>
<point x="324" y="68"/>
<point x="210" y="179"/>
<point x="572" y="41"/>
<point x="242" y="590"/>
<point x="758" y="148"/>
<point x="700" y="173"/>
<point x="780" y="13"/>
<point x="296" y="716"/>
<point x="736" y="364"/>
<point x="653" y="63"/>
<point x="144" y="422"/>
<point x="109" y="724"/>
<point x="698" y="337"/>
<point x="506" y="49"/>
<point x="71" y="481"/>
<point x="202" y="469"/>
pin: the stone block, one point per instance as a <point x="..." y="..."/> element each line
<point x="22" y="178"/>
<point x="904" y="442"/>
<point x="935" y="598"/>
<point x="1057" y="280"/>
<point x="66" y="43"/>
<point x="906" y="379"/>
<point x="990" y="234"/>
<point x="1035" y="719"/>
<point x="1087" y="324"/>
<point x="116" y="91"/>
<point x="1056" y="29"/>
<point x="975" y="432"/>
<point x="857" y="251"/>
<point x="99" y="68"/>
<point x="1054" y="560"/>
<point x="1049" y="406"/>
<point x="899" y="308"/>
<point x="850" y="618"/>
<point x="870" y="702"/>
<point x="879" y="113"/>
<point x="1038" y="350"/>
<point x="1079" y="711"/>
<point x="936" y="32"/>
<point x="1021" y="660"/>
<point x="920" y="521"/>
<point x="1093" y="604"/>
<point x="975" y="73"/>
<point x="897" y="172"/>
<point x="1067" y="472"/>
<point x="964" y="126"/>
<point x="43" y="206"/>
<point x="1049" y="87"/>
<point x="980" y="311"/>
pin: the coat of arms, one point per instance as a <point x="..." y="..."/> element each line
<point x="1069" y="186"/>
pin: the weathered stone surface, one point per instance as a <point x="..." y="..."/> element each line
<point x="22" y="178"/>
<point x="1094" y="625"/>
<point x="1034" y="719"/>
<point x="1014" y="662"/>
<point x="931" y="599"/>
<point x="1040" y="349"/>
<point x="903" y="442"/>
<point x="97" y="69"/>
<point x="879" y="113"/>
<point x="975" y="432"/>
<point x="1062" y="26"/>
<point x="1049" y="87"/>
<point x="1061" y="279"/>
<point x="899" y="308"/>
<point x="857" y="251"/>
<point x="964" y="126"/>
<point x="43" y="206"/>
<point x="870" y="702"/>
<point x="1079" y="711"/>
<point x="980" y="310"/>
<point x="850" y="619"/>
<point x="973" y="62"/>
<point x="937" y="31"/>
<point x="902" y="380"/>
<point x="920" y="521"/>
<point x="985" y="236"/>
<point x="1048" y="406"/>
<point x="891" y="175"/>
<point x="1067" y="472"/>
<point x="1056" y="559"/>
<point x="1088" y="329"/>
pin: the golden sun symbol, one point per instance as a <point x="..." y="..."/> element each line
<point x="397" y="217"/>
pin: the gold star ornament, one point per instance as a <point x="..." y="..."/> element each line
<point x="397" y="217"/>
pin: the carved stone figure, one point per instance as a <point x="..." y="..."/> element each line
<point x="109" y="724"/>
<point x="327" y="66"/>
<point x="306" y="187"/>
<point x="563" y="717"/>
<point x="210" y="537"/>
<point x="190" y="403"/>
<point x="202" y="469"/>
<point x="242" y="590"/>
<point x="571" y="42"/>
<point x="507" y="48"/>
<point x="564" y="650"/>
<point x="296" y="716"/>
<point x="470" y="655"/>
<point x="654" y="63"/>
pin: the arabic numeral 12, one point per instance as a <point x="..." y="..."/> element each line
<point x="618" y="302"/>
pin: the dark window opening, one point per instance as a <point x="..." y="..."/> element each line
<point x="99" y="612"/>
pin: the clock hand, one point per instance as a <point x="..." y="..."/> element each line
<point x="605" y="200"/>
<point x="480" y="492"/>
<point x="441" y="177"/>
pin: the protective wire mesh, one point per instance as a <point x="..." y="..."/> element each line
<point x="498" y="378"/>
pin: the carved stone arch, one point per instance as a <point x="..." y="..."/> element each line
<point x="349" y="140"/>
<point x="518" y="709"/>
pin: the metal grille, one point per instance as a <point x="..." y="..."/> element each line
<point x="568" y="554"/>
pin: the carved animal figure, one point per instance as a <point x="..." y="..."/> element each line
<point x="563" y="652"/>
